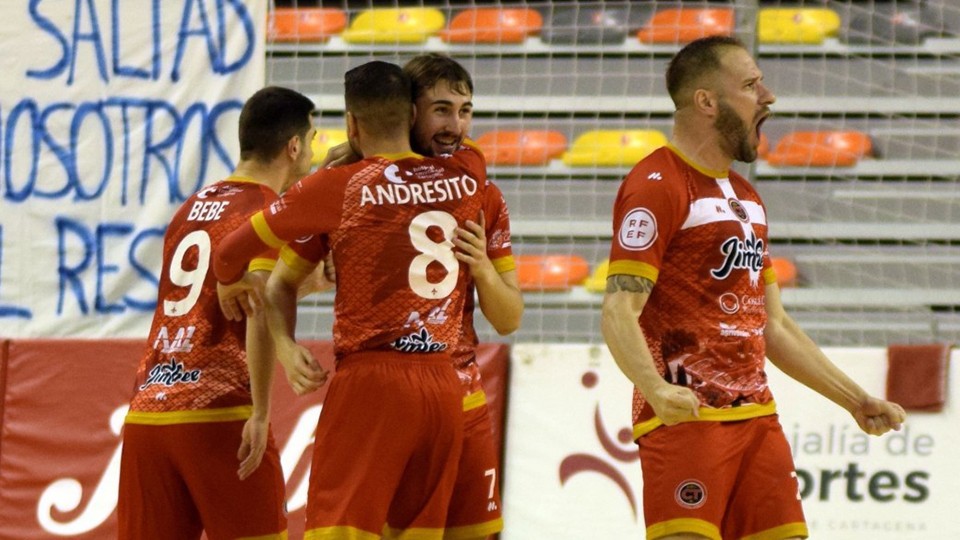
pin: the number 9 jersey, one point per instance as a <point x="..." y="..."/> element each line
<point x="390" y="221"/>
<point x="195" y="358"/>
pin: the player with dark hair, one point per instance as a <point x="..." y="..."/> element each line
<point x="443" y="94"/>
<point x="690" y="261"/>
<point x="195" y="402"/>
<point x="389" y="439"/>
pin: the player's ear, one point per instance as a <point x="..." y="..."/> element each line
<point x="413" y="114"/>
<point x="295" y="146"/>
<point x="706" y="101"/>
<point x="353" y="133"/>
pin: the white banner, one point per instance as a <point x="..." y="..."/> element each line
<point x="572" y="473"/>
<point x="111" y="114"/>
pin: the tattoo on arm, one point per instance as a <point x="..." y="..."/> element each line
<point x="621" y="282"/>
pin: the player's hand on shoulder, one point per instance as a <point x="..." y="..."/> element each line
<point x="471" y="243"/>
<point x="341" y="154"/>
<point x="304" y="373"/>
<point x="674" y="404"/>
<point x="877" y="416"/>
<point x="242" y="298"/>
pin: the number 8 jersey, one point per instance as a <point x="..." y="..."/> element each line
<point x="390" y="221"/>
<point x="195" y="358"/>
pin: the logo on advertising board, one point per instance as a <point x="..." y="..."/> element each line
<point x="582" y="463"/>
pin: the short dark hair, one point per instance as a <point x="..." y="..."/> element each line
<point x="694" y="61"/>
<point x="270" y="117"/>
<point x="379" y="94"/>
<point x="426" y="70"/>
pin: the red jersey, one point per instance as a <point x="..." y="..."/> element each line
<point x="195" y="359"/>
<point x="389" y="221"/>
<point x="701" y="236"/>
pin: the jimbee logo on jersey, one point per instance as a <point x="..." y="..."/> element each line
<point x="170" y="374"/>
<point x="740" y="254"/>
<point x="418" y="342"/>
<point x="691" y="494"/>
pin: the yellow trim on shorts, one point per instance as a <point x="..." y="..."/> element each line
<point x="683" y="525"/>
<point x="416" y="533"/>
<point x="480" y="530"/>
<point x="707" y="414"/>
<point x="276" y="536"/>
<point x="474" y="400"/>
<point x="504" y="264"/>
<point x="339" y="533"/>
<point x="783" y="531"/>
<point x="293" y="259"/>
<point x="634" y="268"/>
<point x="198" y="416"/>
<point x="263" y="230"/>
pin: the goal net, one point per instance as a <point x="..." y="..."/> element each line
<point x="859" y="174"/>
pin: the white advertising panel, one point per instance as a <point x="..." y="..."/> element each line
<point x="572" y="473"/>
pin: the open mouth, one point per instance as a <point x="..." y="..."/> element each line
<point x="760" y="122"/>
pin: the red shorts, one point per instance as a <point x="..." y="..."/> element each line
<point x="721" y="480"/>
<point x="475" y="510"/>
<point x="180" y="479"/>
<point x="387" y="447"/>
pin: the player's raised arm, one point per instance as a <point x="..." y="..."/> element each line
<point x="240" y="293"/>
<point x="498" y="290"/>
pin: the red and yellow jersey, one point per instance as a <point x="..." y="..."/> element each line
<point x="701" y="237"/>
<point x="500" y="252"/>
<point x="389" y="221"/>
<point x="194" y="369"/>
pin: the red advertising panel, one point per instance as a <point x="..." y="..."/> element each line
<point x="62" y="404"/>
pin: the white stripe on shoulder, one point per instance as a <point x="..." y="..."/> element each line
<point x="715" y="209"/>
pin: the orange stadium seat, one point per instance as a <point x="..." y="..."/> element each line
<point x="597" y="282"/>
<point x="797" y="25"/>
<point x="395" y="25"/>
<point x="522" y="147"/>
<point x="304" y="25"/>
<point x="493" y="25"/>
<point x="550" y="272"/>
<point x="786" y="271"/>
<point x="683" y="25"/>
<point x="820" y="149"/>
<point x="613" y="148"/>
<point x="324" y="140"/>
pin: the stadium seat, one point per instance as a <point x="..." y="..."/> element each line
<point x="597" y="282"/>
<point x="550" y="272"/>
<point x="304" y="25"/>
<point x="887" y="23"/>
<point x="523" y="147"/>
<point x="613" y="148"/>
<point x="820" y="149"/>
<point x="324" y="140"/>
<point x="395" y="25"/>
<point x="492" y="25"/>
<point x="764" y="147"/>
<point x="683" y="25"/>
<point x="797" y="25"/>
<point x="586" y="23"/>
<point x="786" y="272"/>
